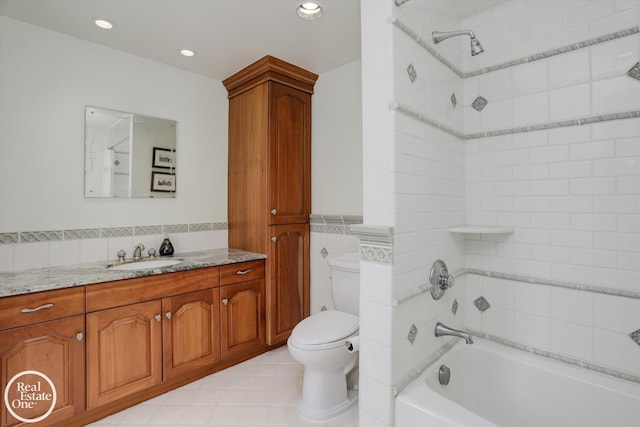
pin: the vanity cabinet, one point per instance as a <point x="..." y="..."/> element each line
<point x="270" y="182"/>
<point x="124" y="351"/>
<point x="144" y="336"/>
<point x="44" y="332"/>
<point x="242" y="310"/>
<point x="146" y="331"/>
<point x="191" y="332"/>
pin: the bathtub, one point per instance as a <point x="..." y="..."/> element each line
<point x="494" y="385"/>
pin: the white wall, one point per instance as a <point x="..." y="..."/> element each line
<point x="46" y="79"/>
<point x="336" y="142"/>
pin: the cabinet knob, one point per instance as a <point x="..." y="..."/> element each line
<point x="273" y="239"/>
<point x="273" y="211"/>
<point x="79" y="336"/>
<point x="168" y="315"/>
<point x="225" y="301"/>
<point x="158" y="318"/>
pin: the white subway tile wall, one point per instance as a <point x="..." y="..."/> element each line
<point x="577" y="189"/>
<point x="553" y="154"/>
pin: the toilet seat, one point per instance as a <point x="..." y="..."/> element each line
<point x="323" y="330"/>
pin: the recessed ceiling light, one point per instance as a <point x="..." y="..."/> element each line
<point x="103" y="23"/>
<point x="187" y="52"/>
<point x="309" y="10"/>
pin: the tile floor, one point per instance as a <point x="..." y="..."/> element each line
<point x="263" y="391"/>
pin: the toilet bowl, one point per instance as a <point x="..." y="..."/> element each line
<point x="318" y="342"/>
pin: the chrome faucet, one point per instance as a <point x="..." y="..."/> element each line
<point x="137" y="252"/>
<point x="442" y="330"/>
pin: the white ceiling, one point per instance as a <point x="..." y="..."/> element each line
<point x="226" y="34"/>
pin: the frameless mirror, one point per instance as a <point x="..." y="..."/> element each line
<point x="128" y="155"/>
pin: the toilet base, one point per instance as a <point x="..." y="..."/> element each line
<point x="323" y="415"/>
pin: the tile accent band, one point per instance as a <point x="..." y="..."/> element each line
<point x="400" y="385"/>
<point x="531" y="58"/>
<point x="335" y="224"/>
<point x="559" y="357"/>
<point x="408" y="111"/>
<point x="556" y="283"/>
<point x="18" y="237"/>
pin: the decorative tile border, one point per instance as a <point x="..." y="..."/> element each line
<point x="82" y="233"/>
<point x="408" y="111"/>
<point x="557" y="283"/>
<point x="424" y="44"/>
<point x="531" y="58"/>
<point x="333" y="224"/>
<point x="19" y="237"/>
<point x="560" y="124"/>
<point x="559" y="357"/>
<point x="376" y="243"/>
<point x="554" y="52"/>
<point x="40" y="236"/>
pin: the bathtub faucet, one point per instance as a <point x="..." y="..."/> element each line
<point x="442" y="330"/>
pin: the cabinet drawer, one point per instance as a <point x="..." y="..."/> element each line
<point x="131" y="291"/>
<point x="241" y="272"/>
<point x="26" y="309"/>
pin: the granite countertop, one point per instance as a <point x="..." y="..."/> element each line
<point x="44" y="279"/>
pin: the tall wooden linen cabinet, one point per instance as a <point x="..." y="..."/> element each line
<point x="269" y="190"/>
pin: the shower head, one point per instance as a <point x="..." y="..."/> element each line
<point x="476" y="47"/>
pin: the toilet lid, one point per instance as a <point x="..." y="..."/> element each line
<point x="325" y="327"/>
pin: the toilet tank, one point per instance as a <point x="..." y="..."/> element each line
<point x="345" y="282"/>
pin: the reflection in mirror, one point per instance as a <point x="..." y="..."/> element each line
<point x="128" y="155"/>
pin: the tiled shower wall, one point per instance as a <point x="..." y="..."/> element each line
<point x="546" y="124"/>
<point x="571" y="192"/>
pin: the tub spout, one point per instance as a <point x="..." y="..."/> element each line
<point x="442" y="330"/>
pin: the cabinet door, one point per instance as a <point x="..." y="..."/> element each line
<point x="54" y="349"/>
<point x="124" y="351"/>
<point x="242" y="317"/>
<point x="190" y="332"/>
<point x="288" y="280"/>
<point x="289" y="185"/>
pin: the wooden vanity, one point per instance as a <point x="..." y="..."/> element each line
<point x="108" y="346"/>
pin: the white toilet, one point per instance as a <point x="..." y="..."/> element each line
<point x="318" y="342"/>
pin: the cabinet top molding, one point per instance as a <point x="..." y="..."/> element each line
<point x="270" y="68"/>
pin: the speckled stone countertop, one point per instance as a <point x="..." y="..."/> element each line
<point x="44" y="279"/>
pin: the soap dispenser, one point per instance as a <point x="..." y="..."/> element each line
<point x="166" y="248"/>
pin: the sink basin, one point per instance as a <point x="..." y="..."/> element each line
<point x="145" y="264"/>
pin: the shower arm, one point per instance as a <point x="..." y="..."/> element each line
<point x="439" y="36"/>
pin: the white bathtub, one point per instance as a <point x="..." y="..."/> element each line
<point x="494" y="385"/>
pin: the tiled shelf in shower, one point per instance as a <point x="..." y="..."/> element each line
<point x="480" y="229"/>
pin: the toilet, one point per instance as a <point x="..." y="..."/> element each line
<point x="318" y="342"/>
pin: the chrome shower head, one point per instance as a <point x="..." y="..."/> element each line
<point x="476" y="47"/>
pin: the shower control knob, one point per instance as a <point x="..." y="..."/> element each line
<point x="447" y="281"/>
<point x="440" y="278"/>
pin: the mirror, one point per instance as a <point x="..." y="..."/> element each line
<point x="128" y="155"/>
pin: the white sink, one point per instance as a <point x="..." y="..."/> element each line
<point x="145" y="264"/>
